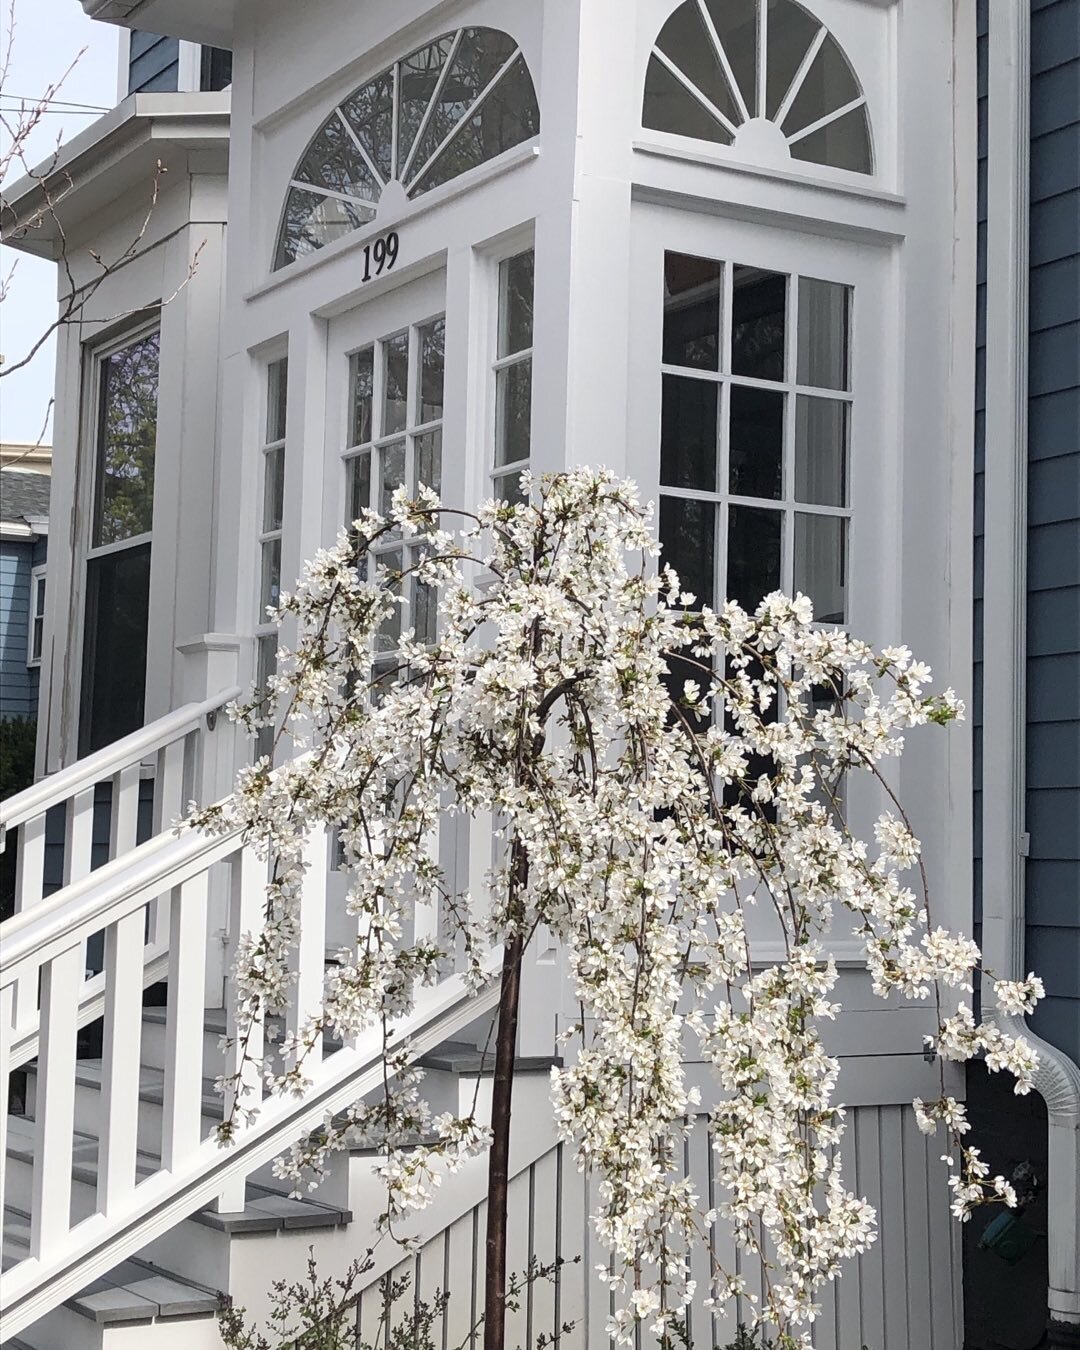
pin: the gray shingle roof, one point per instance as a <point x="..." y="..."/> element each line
<point x="24" y="494"/>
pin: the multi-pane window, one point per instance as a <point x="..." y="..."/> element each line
<point x="271" y="509"/>
<point x="395" y="438"/>
<point x="755" y="430"/>
<point x="36" y="630"/>
<point x="513" y="375"/>
<point x="118" y="558"/>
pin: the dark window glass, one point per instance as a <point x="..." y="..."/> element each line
<point x="370" y="113"/>
<point x="824" y="323"/>
<point x="513" y="413"/>
<point x="312" y="221"/>
<point x="432" y="341"/>
<point x="215" y="68"/>
<point x="428" y="465"/>
<point x="687" y="533"/>
<point x="753" y="554"/>
<point x="688" y="433"/>
<point x="756" y="453"/>
<point x="396" y="393"/>
<point x="114" y="654"/>
<point x="685" y="41"/>
<point x="516" y="304"/>
<point x="758" y="323"/>
<point x="821" y="564"/>
<point x="418" y="78"/>
<point x="277" y="394"/>
<point x="333" y="162"/>
<point x="821" y="450"/>
<point x="126" y="441"/>
<point x="362" y="379"/>
<point x="691" y="311"/>
<point x="669" y="106"/>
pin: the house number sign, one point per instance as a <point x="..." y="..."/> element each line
<point x="380" y="255"/>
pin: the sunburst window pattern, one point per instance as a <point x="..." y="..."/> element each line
<point x="761" y="71"/>
<point x="443" y="109"/>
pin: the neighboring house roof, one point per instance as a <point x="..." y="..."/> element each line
<point x="24" y="502"/>
<point x="26" y="455"/>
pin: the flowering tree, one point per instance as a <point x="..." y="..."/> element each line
<point x="640" y="825"/>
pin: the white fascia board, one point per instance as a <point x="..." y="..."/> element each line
<point x="117" y="150"/>
<point x="16" y="531"/>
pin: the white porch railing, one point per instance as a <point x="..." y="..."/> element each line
<point x="76" y="1235"/>
<point x="167" y="753"/>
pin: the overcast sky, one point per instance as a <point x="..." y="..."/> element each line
<point x="48" y="36"/>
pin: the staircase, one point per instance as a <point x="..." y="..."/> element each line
<point x="125" y="1223"/>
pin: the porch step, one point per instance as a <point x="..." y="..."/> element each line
<point x="265" y="1209"/>
<point x="135" y="1291"/>
<point x="460" y="1058"/>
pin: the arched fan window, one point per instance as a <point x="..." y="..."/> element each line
<point x="764" y="73"/>
<point x="444" y="108"/>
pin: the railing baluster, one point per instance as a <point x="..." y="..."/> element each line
<point x="125" y="810"/>
<point x="54" y="1103"/>
<point x="120" y="1061"/>
<point x="79" y="836"/>
<point x="184" y="1021"/>
<point x="7" y="1008"/>
<point x="247" y="900"/>
<point x="29" y="885"/>
<point x="310" y="954"/>
<point x="168" y="807"/>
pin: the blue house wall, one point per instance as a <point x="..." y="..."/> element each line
<point x="18" y="682"/>
<point x="1053" y="650"/>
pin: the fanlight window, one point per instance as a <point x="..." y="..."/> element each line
<point x="764" y="73"/>
<point x="439" y="111"/>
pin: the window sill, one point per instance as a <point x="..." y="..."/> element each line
<point x="672" y="149"/>
<point x="466" y="182"/>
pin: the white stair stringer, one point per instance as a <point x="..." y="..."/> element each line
<point x="45" y="944"/>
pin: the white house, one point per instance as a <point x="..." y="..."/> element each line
<point x="726" y="247"/>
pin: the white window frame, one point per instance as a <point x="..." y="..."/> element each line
<point x="37" y="587"/>
<point x="266" y="633"/>
<point x="496" y="473"/>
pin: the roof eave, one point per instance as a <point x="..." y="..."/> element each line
<point x="209" y="21"/>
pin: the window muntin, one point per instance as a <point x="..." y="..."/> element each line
<point x="754" y="458"/>
<point x="443" y="109"/>
<point x="126" y="440"/>
<point x="512" y="369"/>
<point x="704" y="80"/>
<point x="35" y="634"/>
<point x="272" y="510"/>
<point x="394" y="433"/>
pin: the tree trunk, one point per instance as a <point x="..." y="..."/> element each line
<point x="499" y="1157"/>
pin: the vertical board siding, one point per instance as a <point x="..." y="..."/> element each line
<point x="1053" y="655"/>
<point x="900" y="1295"/>
<point x="18" y="682"/>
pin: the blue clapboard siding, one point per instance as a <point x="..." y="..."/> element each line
<point x="1053" y="655"/>
<point x="18" y="683"/>
<point x="153" y="63"/>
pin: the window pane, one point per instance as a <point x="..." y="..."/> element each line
<point x="668" y="106"/>
<point x="392" y="474"/>
<point x="126" y="440"/>
<point x="359" y="485"/>
<point x="277" y="391"/>
<point x="39" y="597"/>
<point x="417" y="77"/>
<point x="396" y="393"/>
<point x="758" y="323"/>
<point x="114" y="656"/>
<point x="821" y="451"/>
<point x="266" y="649"/>
<point x="427" y="457"/>
<point x="389" y="634"/>
<point x="843" y="144"/>
<point x="273" y="488"/>
<point x="270" y="582"/>
<point x="686" y="42"/>
<point x="829" y="85"/>
<point x="821" y="564"/>
<point x="824" y="337"/>
<point x="312" y="221"/>
<point x="753" y="554"/>
<point x="516" y="304"/>
<point x="688" y="433"/>
<point x="423" y="605"/>
<point x="509" y="488"/>
<point x="691" y="311"/>
<point x="370" y="113"/>
<point x="736" y="26"/>
<point x="432" y="349"/>
<point x="791" y="31"/>
<point x="362" y="384"/>
<point x="688" y="534"/>
<point x="333" y="162"/>
<point x="513" y="412"/>
<point x="756" y="453"/>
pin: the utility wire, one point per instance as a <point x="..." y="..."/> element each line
<point x="58" y="103"/>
